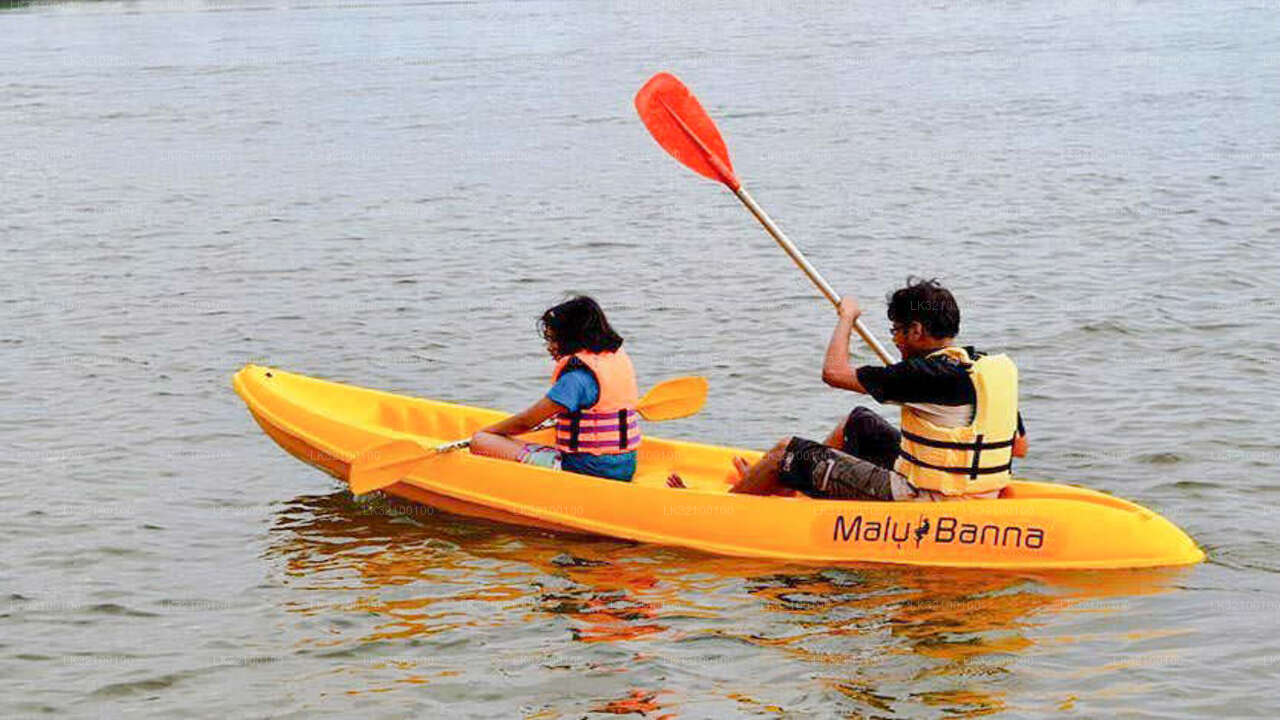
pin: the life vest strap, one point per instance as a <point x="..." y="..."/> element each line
<point x="590" y="427"/>
<point x="970" y="471"/>
<point x="604" y="416"/>
<point x="611" y="444"/>
<point x="571" y="426"/>
<point x="945" y="445"/>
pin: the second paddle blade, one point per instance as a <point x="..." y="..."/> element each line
<point x="677" y="121"/>
<point x="384" y="465"/>
<point x="673" y="399"/>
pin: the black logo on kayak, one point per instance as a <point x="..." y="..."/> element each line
<point x="922" y="529"/>
<point x="948" y="530"/>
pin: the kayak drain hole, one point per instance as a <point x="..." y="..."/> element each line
<point x="268" y="374"/>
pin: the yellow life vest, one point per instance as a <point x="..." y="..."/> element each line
<point x="974" y="458"/>
<point x="612" y="425"/>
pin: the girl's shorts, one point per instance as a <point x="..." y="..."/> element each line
<point x="540" y="456"/>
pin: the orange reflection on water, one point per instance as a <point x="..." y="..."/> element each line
<point x="884" y="638"/>
<point x="638" y="702"/>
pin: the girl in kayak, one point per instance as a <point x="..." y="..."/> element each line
<point x="593" y="397"/>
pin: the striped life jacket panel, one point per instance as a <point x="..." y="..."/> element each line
<point x="612" y="425"/>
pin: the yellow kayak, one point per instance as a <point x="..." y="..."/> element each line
<point x="1033" y="524"/>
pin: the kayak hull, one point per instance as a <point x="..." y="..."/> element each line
<point x="1032" y="526"/>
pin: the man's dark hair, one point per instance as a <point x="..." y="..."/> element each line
<point x="576" y="325"/>
<point x="928" y="303"/>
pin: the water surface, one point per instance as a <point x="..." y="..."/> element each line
<point x="389" y="193"/>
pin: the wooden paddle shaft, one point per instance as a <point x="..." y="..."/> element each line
<point x="809" y="270"/>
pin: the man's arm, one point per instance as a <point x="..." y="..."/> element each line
<point x="836" y="370"/>
<point x="1020" y="439"/>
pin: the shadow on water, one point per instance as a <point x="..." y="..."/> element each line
<point x="875" y="638"/>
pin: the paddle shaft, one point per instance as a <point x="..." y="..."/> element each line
<point x="466" y="442"/>
<point x="455" y="445"/>
<point x="804" y="264"/>
<point x="687" y="393"/>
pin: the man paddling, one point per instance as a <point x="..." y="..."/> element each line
<point x="960" y="421"/>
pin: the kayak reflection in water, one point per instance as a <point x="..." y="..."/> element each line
<point x="960" y="422"/>
<point x="593" y="397"/>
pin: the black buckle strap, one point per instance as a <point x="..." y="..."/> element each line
<point x="970" y="471"/>
<point x="943" y="444"/>
<point x="622" y="429"/>
<point x="977" y="453"/>
<point x="575" y="427"/>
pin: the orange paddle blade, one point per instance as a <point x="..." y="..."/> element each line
<point x="675" y="398"/>
<point x="384" y="464"/>
<point x="677" y="121"/>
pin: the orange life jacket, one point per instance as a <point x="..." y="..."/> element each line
<point x="612" y="425"/>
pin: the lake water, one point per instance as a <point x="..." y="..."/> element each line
<point x="389" y="194"/>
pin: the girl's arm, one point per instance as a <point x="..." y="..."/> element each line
<point x="527" y="419"/>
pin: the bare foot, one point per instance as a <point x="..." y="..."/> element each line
<point x="740" y="465"/>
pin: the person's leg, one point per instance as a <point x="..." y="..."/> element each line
<point x="496" y="446"/>
<point x="836" y="438"/>
<point x="866" y="435"/>
<point x="842" y="476"/>
<point x="762" y="477"/>
<point x="824" y="472"/>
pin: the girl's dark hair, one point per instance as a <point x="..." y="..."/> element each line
<point x="928" y="303"/>
<point x="576" y="325"/>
